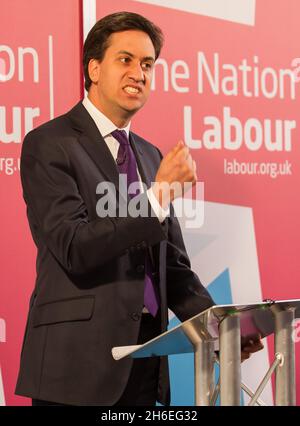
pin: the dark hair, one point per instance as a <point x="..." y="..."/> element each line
<point x="97" y="40"/>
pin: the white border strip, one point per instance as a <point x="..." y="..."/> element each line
<point x="89" y="16"/>
<point x="2" y="398"/>
<point x="51" y="85"/>
<point x="89" y="19"/>
<point x="239" y="11"/>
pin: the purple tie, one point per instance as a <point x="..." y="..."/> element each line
<point x="126" y="163"/>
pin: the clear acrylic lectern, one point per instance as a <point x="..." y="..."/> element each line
<point x="215" y="335"/>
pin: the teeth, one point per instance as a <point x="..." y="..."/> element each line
<point x="129" y="89"/>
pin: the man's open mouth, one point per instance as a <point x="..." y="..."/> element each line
<point x="131" y="90"/>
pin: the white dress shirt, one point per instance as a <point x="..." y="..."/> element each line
<point x="106" y="127"/>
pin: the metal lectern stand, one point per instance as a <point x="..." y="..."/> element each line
<point x="223" y="328"/>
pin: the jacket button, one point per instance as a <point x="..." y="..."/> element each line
<point x="135" y="316"/>
<point x="140" y="269"/>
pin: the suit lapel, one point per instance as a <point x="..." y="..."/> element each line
<point x="94" y="144"/>
<point x="144" y="166"/>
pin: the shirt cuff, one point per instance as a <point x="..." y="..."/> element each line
<point x="160" y="212"/>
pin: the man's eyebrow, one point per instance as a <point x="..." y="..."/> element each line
<point x="146" y="58"/>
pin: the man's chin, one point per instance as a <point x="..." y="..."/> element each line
<point x="132" y="108"/>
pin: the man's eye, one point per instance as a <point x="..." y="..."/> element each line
<point x="125" y="59"/>
<point x="147" y="65"/>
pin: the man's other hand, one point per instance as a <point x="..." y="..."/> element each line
<point x="175" y="176"/>
<point x="250" y="345"/>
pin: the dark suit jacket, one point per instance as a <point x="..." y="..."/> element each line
<point x="89" y="289"/>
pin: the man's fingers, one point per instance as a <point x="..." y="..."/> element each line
<point x="171" y="154"/>
<point x="251" y="346"/>
<point x="177" y="148"/>
<point x="184" y="152"/>
<point x="255" y="347"/>
<point x="195" y="171"/>
<point x="181" y="148"/>
<point x="190" y="162"/>
<point x="244" y="356"/>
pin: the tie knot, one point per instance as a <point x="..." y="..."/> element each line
<point x="121" y="136"/>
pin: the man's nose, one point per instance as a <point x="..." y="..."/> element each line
<point x="136" y="72"/>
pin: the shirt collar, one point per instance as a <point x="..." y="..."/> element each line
<point x="105" y="126"/>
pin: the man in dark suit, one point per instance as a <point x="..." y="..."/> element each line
<point x="104" y="280"/>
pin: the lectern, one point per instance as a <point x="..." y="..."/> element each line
<point x="216" y="334"/>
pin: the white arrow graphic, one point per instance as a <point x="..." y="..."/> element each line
<point x="240" y="11"/>
<point x="227" y="241"/>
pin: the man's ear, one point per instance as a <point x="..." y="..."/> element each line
<point x="94" y="70"/>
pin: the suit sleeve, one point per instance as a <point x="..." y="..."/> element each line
<point x="58" y="215"/>
<point x="185" y="294"/>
